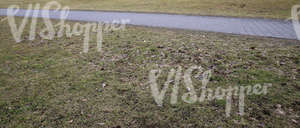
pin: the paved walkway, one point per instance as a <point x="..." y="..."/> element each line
<point x="245" y="26"/>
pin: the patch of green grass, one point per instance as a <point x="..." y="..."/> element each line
<point x="238" y="8"/>
<point x="50" y="83"/>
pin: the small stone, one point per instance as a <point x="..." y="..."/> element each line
<point x="282" y="63"/>
<point x="103" y="85"/>
<point x="160" y="46"/>
<point x="261" y="125"/>
<point x="295" y="121"/>
<point x="70" y="121"/>
<point x="101" y="123"/>
<point x="280" y="112"/>
<point x="278" y="106"/>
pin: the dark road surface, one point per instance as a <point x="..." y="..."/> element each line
<point x="245" y="26"/>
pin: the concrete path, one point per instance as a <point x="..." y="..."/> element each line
<point x="245" y="26"/>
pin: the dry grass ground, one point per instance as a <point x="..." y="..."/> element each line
<point x="48" y="83"/>
<point x="238" y="8"/>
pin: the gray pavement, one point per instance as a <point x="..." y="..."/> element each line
<point x="244" y="26"/>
